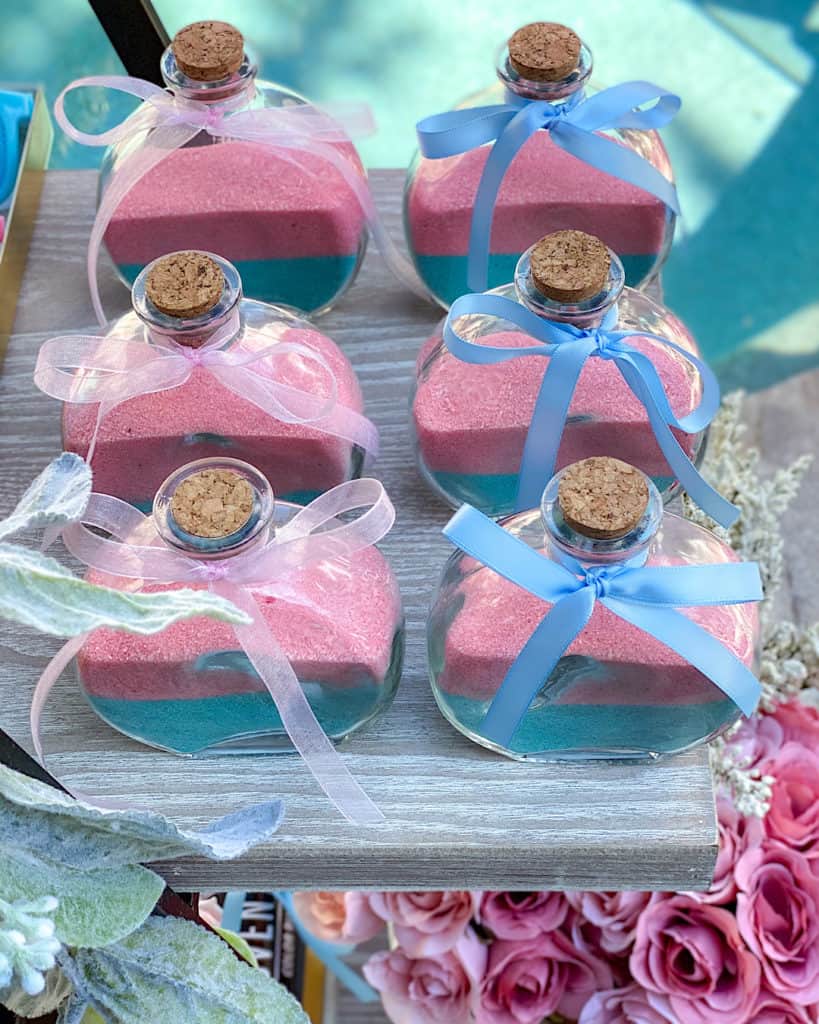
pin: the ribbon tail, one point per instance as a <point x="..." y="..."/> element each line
<point x="328" y="953"/>
<point x="297" y="716"/>
<point x="620" y="162"/>
<point x="533" y="666"/>
<point x="549" y="419"/>
<point x="697" y="646"/>
<point x="45" y="684"/>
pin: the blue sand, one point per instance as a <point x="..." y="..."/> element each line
<point x="446" y="275"/>
<point x="307" y="283"/>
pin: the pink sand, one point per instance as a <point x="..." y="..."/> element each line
<point x="545" y="189"/>
<point x="350" y="643"/>
<point x="497" y="618"/>
<point x="239" y="199"/>
<point x="141" y="441"/>
<point x="474" y="419"/>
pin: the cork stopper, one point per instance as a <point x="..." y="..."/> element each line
<point x="208" y="51"/>
<point x="544" y="51"/>
<point x="185" y="284"/>
<point x="214" y="503"/>
<point x="602" y="497"/>
<point x="570" y="266"/>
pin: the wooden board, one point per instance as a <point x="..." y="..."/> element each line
<point x="458" y="816"/>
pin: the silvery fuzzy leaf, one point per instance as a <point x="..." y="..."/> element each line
<point x="56" y="991"/>
<point x="37" y="591"/>
<point x="58" y="496"/>
<point x="51" y="824"/>
<point x="76" y="1011"/>
<point x="96" y="907"/>
<point x="174" y="970"/>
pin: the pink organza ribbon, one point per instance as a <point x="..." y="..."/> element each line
<point x="136" y="551"/>
<point x="109" y="370"/>
<point x="169" y="122"/>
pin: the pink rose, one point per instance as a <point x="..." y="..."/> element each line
<point x="737" y="833"/>
<point x="794" y="815"/>
<point x="693" y="953"/>
<point x="426" y="923"/>
<point x="778" y="916"/>
<point x="799" y="723"/>
<point x="522" y="915"/>
<point x="615" y="914"/>
<point x="772" y="1009"/>
<point x="758" y="739"/>
<point x="631" y="1005"/>
<point x="431" y="990"/>
<point x="338" y="916"/>
<point x="210" y="910"/>
<point x="530" y="979"/>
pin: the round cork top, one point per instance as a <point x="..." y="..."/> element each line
<point x="212" y="503"/>
<point x="570" y="266"/>
<point x="208" y="51"/>
<point x="544" y="51"/>
<point x="185" y="284"/>
<point x="602" y="497"/>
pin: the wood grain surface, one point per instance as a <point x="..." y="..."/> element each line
<point x="457" y="815"/>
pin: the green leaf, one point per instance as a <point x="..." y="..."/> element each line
<point x="173" y="970"/>
<point x="52" y="825"/>
<point x="96" y="907"/>
<point x="58" y="496"/>
<point x="37" y="591"/>
<point x="57" y="989"/>
<point x="236" y="942"/>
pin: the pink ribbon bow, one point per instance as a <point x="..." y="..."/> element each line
<point x="169" y="122"/>
<point x="109" y="370"/>
<point x="136" y="551"/>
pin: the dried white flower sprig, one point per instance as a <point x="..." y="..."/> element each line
<point x="28" y="947"/>
<point x="789" y="660"/>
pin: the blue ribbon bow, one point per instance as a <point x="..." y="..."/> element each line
<point x="568" y="348"/>
<point x="572" y="125"/>
<point x="645" y="596"/>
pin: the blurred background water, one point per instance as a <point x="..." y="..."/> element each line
<point x="744" y="272"/>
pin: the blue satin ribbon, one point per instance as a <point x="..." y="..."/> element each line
<point x="645" y="596"/>
<point x="330" y="955"/>
<point x="572" y="125"/>
<point x="568" y="348"/>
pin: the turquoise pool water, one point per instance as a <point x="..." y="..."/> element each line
<point x="743" y="270"/>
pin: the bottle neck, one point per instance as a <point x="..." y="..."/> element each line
<point x="569" y="544"/>
<point x="557" y="93"/>
<point x="237" y="90"/>
<point x="586" y="314"/>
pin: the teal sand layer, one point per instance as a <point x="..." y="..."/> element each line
<point x="307" y="283"/>
<point x="446" y="275"/>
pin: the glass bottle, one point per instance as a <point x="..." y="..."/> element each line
<point x="191" y="689"/>
<point x="140" y="441"/>
<point x="545" y="189"/>
<point x="617" y="691"/>
<point x="285" y="217"/>
<point x="471" y="421"/>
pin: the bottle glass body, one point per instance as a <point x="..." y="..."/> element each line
<point x="545" y="189"/>
<point x="284" y="216"/>
<point x="616" y="692"/>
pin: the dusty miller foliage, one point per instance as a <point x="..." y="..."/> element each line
<point x="789" y="656"/>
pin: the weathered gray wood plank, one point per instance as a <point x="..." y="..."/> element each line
<point x="458" y="816"/>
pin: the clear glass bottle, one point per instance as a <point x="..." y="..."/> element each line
<point x="471" y="421"/>
<point x="286" y="218"/>
<point x="192" y="690"/>
<point x="617" y="692"/>
<point x="139" y="442"/>
<point x="545" y="189"/>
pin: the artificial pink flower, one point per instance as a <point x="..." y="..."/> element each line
<point x="737" y="833"/>
<point x="522" y="915"/>
<point x="778" y="916"/>
<point x="773" y="1009"/>
<point x="528" y="980"/>
<point x="431" y="990"/>
<point x="693" y="953"/>
<point x="799" y="723"/>
<point x="426" y="923"/>
<point x="630" y="1005"/>
<point x="338" y="916"/>
<point x="793" y="818"/>
<point x="210" y="910"/>
<point x="615" y="914"/>
<point x="758" y="739"/>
